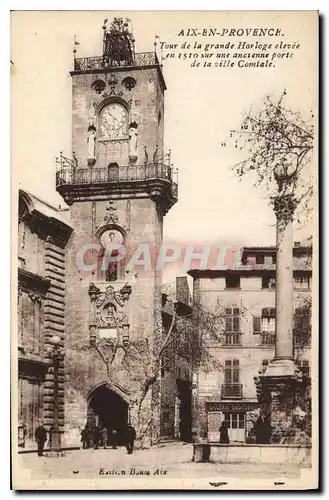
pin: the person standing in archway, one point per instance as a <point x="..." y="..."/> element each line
<point x="114" y="439"/>
<point x="130" y="438"/>
<point x="85" y="438"/>
<point x="104" y="436"/>
<point x="97" y="437"/>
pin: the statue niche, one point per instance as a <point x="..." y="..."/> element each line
<point x="91" y="135"/>
<point x="111" y="265"/>
<point x="133" y="142"/>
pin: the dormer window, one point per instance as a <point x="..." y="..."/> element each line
<point x="233" y="282"/>
<point x="260" y="259"/>
<point x="268" y="282"/>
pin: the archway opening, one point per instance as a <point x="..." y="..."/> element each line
<point x="107" y="408"/>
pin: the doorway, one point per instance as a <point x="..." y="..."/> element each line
<point x="185" y="409"/>
<point x="236" y="426"/>
<point x="109" y="409"/>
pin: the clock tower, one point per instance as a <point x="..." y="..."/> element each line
<point x="119" y="185"/>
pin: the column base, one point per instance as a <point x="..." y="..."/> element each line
<point x="279" y="392"/>
<point x="281" y="368"/>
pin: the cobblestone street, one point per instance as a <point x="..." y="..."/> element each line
<point x="170" y="461"/>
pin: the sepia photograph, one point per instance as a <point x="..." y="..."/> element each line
<point x="165" y="250"/>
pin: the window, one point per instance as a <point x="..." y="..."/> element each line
<point x="268" y="282"/>
<point x="302" y="282"/>
<point x="232" y="388"/>
<point x="260" y="259"/>
<point x="233" y="282"/>
<point x="265" y="363"/>
<point x="98" y="86"/>
<point x="265" y="325"/>
<point x="232" y="320"/>
<point x="235" y="420"/>
<point x="232" y="326"/>
<point x="302" y="325"/>
<point x="129" y="82"/>
<point x="304" y="366"/>
<point x="232" y="371"/>
<point x="268" y="320"/>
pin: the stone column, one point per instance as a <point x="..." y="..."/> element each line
<point x="283" y="364"/>
<point x="277" y="386"/>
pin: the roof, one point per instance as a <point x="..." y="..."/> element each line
<point x="37" y="204"/>
<point x="248" y="269"/>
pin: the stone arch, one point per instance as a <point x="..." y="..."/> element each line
<point x="112" y="100"/>
<point x="114" y="386"/>
<point x="108" y="406"/>
<point x="107" y="227"/>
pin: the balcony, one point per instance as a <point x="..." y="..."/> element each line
<point x="267" y="338"/>
<point x="231" y="391"/>
<point x="156" y="179"/>
<point x="118" y="60"/>
<point x="232" y="339"/>
<point x="302" y="339"/>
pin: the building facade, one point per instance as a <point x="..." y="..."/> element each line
<point x="244" y="299"/>
<point x="119" y="185"/>
<point x="43" y="233"/>
<point x="177" y="364"/>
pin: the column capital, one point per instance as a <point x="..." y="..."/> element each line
<point x="284" y="207"/>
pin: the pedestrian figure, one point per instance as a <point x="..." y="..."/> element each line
<point x="223" y="431"/>
<point x="97" y="437"/>
<point x="104" y="436"/>
<point x="262" y="431"/>
<point x="130" y="438"/>
<point x="41" y="438"/>
<point x="85" y="438"/>
<point x="114" y="439"/>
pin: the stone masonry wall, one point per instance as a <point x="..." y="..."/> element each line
<point x="84" y="367"/>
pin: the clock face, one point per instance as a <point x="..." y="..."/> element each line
<point x="113" y="121"/>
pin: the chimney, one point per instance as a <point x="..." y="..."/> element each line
<point x="182" y="290"/>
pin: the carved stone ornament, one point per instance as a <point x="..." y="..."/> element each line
<point x="110" y="309"/>
<point x="112" y="80"/>
<point x="111" y="215"/>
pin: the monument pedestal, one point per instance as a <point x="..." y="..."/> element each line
<point x="278" y="390"/>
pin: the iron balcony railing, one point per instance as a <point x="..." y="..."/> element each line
<point x="267" y="338"/>
<point x="116" y="174"/>
<point x="117" y="60"/>
<point x="232" y="338"/>
<point x="302" y="339"/>
<point x="231" y="391"/>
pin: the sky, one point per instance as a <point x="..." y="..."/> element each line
<point x="201" y="106"/>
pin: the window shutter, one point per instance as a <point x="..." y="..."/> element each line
<point x="228" y="371"/>
<point x="256" y="325"/>
<point x="236" y="371"/>
<point x="236" y="375"/>
<point x="236" y="324"/>
<point x="228" y="324"/>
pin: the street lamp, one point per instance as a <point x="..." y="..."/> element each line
<point x="56" y="353"/>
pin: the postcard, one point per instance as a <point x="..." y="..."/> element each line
<point x="164" y="215"/>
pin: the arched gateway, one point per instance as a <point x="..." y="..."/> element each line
<point x="108" y="407"/>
